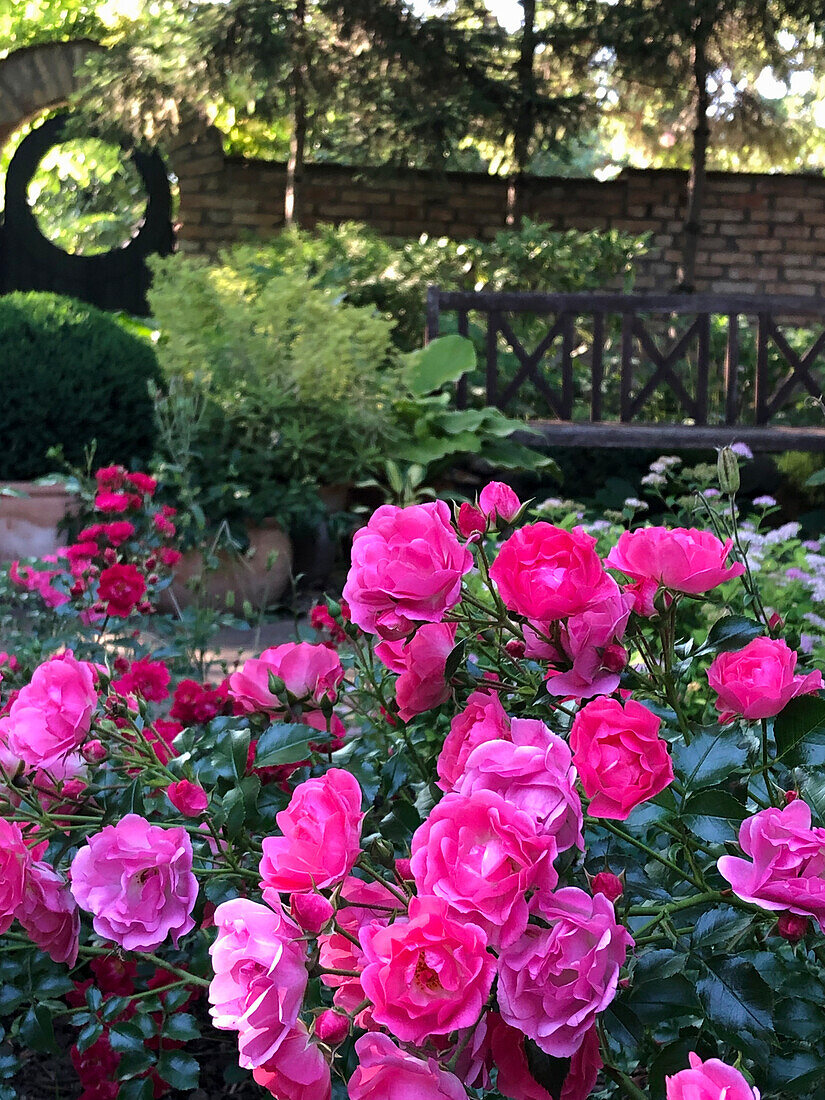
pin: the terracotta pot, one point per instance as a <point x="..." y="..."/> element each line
<point x="260" y="576"/>
<point x="29" y="524"/>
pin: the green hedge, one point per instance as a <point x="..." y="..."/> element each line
<point x="70" y="375"/>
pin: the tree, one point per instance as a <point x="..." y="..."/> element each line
<point x="698" y="55"/>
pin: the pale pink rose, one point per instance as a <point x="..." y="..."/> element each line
<point x="758" y="681"/>
<point x="421" y="662"/>
<point x="711" y="1080"/>
<point x="553" y="982"/>
<point x="427" y="974"/>
<point x="387" y="1073"/>
<point x="534" y="772"/>
<point x="298" y="1071"/>
<point x="15" y="861"/>
<point x="546" y="573"/>
<point x="498" y="501"/>
<point x="52" y="714"/>
<point x="309" y="672"/>
<point x="620" y="758"/>
<point x="136" y="879"/>
<point x="681" y="559"/>
<point x="787" y="868"/>
<point x="190" y="798"/>
<point x="483" y="856"/>
<point x="321" y="838"/>
<point x="483" y="719"/>
<point x="588" y="645"/>
<point x="407" y="565"/>
<point x="260" y="977"/>
<point x="49" y="914"/>
<point x="366" y="903"/>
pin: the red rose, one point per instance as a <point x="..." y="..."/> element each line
<point x="121" y="588"/>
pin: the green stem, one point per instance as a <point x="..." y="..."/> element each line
<point x="622" y="835"/>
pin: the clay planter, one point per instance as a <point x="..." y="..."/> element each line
<point x="29" y="524"/>
<point x="246" y="575"/>
<point x="316" y="553"/>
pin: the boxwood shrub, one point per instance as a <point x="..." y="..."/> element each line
<point x="70" y="375"/>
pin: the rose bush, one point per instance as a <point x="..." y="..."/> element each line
<point x="538" y="816"/>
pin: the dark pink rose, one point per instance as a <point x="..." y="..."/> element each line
<point x="332" y="1027"/>
<point x="546" y="573"/>
<point x="52" y="715"/>
<point x="792" y="927"/>
<point x="147" y="678"/>
<point x="190" y="798"/>
<point x="15" y="861"/>
<point x="121" y="588"/>
<point x="471" y="521"/>
<point x="758" y="681"/>
<point x="505" y="1047"/>
<point x="387" y="1073"/>
<point x="619" y="756"/>
<point x="534" y="772"/>
<point x="421" y="662"/>
<point x="498" y="502"/>
<point x="553" y="982"/>
<point x="321" y="838"/>
<point x="136" y="879"/>
<point x="786" y="870"/>
<point x="427" y="974"/>
<point x="483" y="856"/>
<point x="260" y="977"/>
<point x="49" y="914"/>
<point x="311" y="912"/>
<point x="407" y="565"/>
<point x="711" y="1080"/>
<point x="483" y="719"/>
<point x="642" y="596"/>
<point x="298" y="1071"/>
<point x="309" y="672"/>
<point x="591" y="660"/>
<point x="605" y="882"/>
<point x="681" y="559"/>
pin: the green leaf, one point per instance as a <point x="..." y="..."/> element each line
<point x="239" y="744"/>
<point x="713" y="815"/>
<point x="454" y="659"/>
<point x="803" y="719"/>
<point x="732" y="632"/>
<point x="395" y="773"/>
<point x="717" y="927"/>
<point x="37" y="1029"/>
<point x="712" y="756"/>
<point x="284" y="743"/>
<point x="181" y="1026"/>
<point x="178" y="1069"/>
<point x="139" y="1088"/>
<point x="133" y="1062"/>
<point x="550" y="1072"/>
<point x="738" y="1003"/>
<point x="125" y="1037"/>
<point x="443" y="360"/>
<point x="88" y="1035"/>
<point x="664" y="999"/>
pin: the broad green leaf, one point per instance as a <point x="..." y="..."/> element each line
<point x="178" y="1069"/>
<point x="125" y="1037"/>
<point x="717" y="927"/>
<point x="444" y="359"/>
<point x="139" y="1088"/>
<point x="713" y="815"/>
<point x="802" y="719"/>
<point x="88" y="1035"/>
<point x="732" y="632"/>
<point x="37" y="1029"/>
<point x="738" y="1003"/>
<point x="283" y="743"/>
<point x="181" y="1026"/>
<point x="663" y="998"/>
<point x="712" y="756"/>
<point x="550" y="1072"/>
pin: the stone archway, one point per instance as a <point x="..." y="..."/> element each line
<point x="34" y="80"/>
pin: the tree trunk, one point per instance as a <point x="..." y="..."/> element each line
<point x="525" y="116"/>
<point x="297" y="139"/>
<point x="698" y="164"/>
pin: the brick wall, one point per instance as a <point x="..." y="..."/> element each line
<point x="761" y="233"/>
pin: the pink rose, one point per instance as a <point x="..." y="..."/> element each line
<point x="498" y="501"/>
<point x="421" y="662"/>
<point x="136" y="879"/>
<point x="534" y="772"/>
<point x="298" y="1071"/>
<point x="49" y="914"/>
<point x="367" y="903"/>
<point x="260" y="978"/>
<point x="788" y="862"/>
<point x="483" y="719"/>
<point x="321" y="838"/>
<point x="407" y="565"/>
<point x="471" y="521"/>
<point x="553" y="982"/>
<point x="758" y="681"/>
<point x="682" y="559"/>
<point x="588" y="641"/>
<point x="546" y="573"/>
<point x="147" y="678"/>
<point x="428" y="974"/>
<point x="190" y="798"/>
<point x="15" y="861"/>
<point x="386" y="1073"/>
<point x="483" y="856"/>
<point x="53" y="714"/>
<point x="309" y="672"/>
<point x="311" y="912"/>
<point x="619" y="756"/>
<point x="515" y="1081"/>
<point x="711" y="1080"/>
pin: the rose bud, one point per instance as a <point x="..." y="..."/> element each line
<point x="515" y="648"/>
<point x="470" y="521"/>
<point x="311" y="911"/>
<point x="187" y="797"/>
<point x="793" y="927"/>
<point x="498" y="502"/>
<point x="331" y="1027"/>
<point x="94" y="752"/>
<point x="605" y="882"/>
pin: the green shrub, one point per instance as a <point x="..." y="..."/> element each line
<point x="70" y="376"/>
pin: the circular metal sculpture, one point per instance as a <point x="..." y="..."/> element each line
<point x="117" y="279"/>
